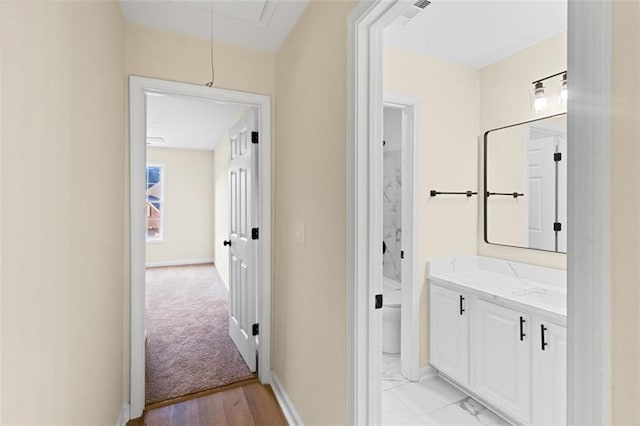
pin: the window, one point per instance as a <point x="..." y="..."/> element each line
<point x="155" y="177"/>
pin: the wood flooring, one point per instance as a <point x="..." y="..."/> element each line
<point x="252" y="404"/>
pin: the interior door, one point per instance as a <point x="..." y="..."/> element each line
<point x="562" y="192"/>
<point x="243" y="172"/>
<point x="542" y="193"/>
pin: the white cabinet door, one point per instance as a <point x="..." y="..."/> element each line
<point x="549" y="374"/>
<point x="449" y="328"/>
<point x="501" y="358"/>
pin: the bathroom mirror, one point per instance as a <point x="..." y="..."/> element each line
<point x="525" y="182"/>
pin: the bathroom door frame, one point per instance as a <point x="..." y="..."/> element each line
<point x="139" y="87"/>
<point x="589" y="208"/>
<point x="409" y="293"/>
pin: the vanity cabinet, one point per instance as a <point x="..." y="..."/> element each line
<point x="501" y="358"/>
<point x="549" y="373"/>
<point x="511" y="358"/>
<point x="449" y="331"/>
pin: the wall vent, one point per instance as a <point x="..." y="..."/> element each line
<point x="412" y="11"/>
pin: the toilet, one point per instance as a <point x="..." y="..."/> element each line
<point x="391" y="316"/>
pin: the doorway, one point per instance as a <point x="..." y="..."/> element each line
<point x="246" y="241"/>
<point x="589" y="259"/>
<point x="190" y="347"/>
<point x="400" y="324"/>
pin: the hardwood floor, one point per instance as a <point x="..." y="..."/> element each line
<point x="252" y="404"/>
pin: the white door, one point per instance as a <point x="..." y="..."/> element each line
<point x="449" y="332"/>
<point x="542" y="193"/>
<point x="243" y="175"/>
<point x="549" y="374"/>
<point x="501" y="358"/>
<point x="562" y="192"/>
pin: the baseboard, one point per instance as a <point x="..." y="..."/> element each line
<point x="123" y="416"/>
<point x="179" y="263"/>
<point x="290" y="413"/>
<point x="428" y="372"/>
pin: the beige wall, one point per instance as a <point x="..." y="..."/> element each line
<point x="63" y="97"/>
<point x="221" y="182"/>
<point x="505" y="98"/>
<point x="447" y="158"/>
<point x="171" y="56"/>
<point x="188" y="210"/>
<point x="625" y="216"/>
<point x="309" y="294"/>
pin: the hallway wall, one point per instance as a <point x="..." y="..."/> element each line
<point x="310" y="294"/>
<point x="62" y="179"/>
<point x="625" y="215"/>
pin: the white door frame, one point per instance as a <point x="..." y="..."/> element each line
<point x="589" y="146"/>
<point x="410" y="290"/>
<point x="138" y="88"/>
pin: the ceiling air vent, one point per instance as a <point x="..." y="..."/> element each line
<point x="412" y="11"/>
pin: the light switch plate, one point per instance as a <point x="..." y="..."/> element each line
<point x="299" y="233"/>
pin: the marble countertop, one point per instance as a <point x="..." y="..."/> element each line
<point x="540" y="290"/>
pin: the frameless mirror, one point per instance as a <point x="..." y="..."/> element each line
<point x="525" y="181"/>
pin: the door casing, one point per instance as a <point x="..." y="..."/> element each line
<point x="138" y="88"/>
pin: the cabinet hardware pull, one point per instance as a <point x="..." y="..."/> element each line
<point x="522" y="335"/>
<point x="226" y="243"/>
<point x="542" y="330"/>
<point x="461" y="304"/>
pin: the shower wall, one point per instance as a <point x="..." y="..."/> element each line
<point x="392" y="214"/>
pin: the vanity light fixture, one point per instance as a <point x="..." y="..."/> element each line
<point x="540" y="99"/>
<point x="564" y="92"/>
<point x="540" y="102"/>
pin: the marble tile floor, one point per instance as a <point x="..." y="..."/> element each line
<point x="430" y="402"/>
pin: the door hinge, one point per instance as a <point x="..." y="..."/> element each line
<point x="401" y="254"/>
<point x="378" y="301"/>
<point x="557" y="156"/>
<point x="255" y="329"/>
<point x="255" y="137"/>
<point x="557" y="226"/>
<point x="255" y="233"/>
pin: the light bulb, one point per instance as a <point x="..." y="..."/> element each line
<point x="564" y="92"/>
<point x="540" y="102"/>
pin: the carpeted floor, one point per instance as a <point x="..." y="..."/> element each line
<point x="188" y="347"/>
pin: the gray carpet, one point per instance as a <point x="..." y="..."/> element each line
<point x="188" y="347"/>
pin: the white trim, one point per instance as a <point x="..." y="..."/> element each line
<point x="123" y="416"/>
<point x="410" y="293"/>
<point x="428" y="372"/>
<point x="179" y="263"/>
<point x="589" y="64"/>
<point x="288" y="409"/>
<point x="138" y="87"/>
<point x="588" y="215"/>
<point x="364" y="189"/>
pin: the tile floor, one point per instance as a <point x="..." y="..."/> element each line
<point x="431" y="402"/>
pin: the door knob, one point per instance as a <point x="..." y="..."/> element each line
<point x="227" y="243"/>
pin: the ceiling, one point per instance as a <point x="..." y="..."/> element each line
<point x="178" y="122"/>
<point x="478" y="33"/>
<point x="257" y="24"/>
